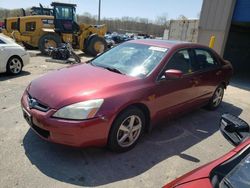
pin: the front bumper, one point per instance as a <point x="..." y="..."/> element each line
<point x="93" y="132"/>
<point x="25" y="59"/>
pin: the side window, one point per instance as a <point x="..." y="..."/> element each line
<point x="204" y="60"/>
<point x="180" y="61"/>
<point x="30" y="26"/>
<point x="2" y="42"/>
<point x="14" y="25"/>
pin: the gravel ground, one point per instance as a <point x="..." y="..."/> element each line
<point x="172" y="149"/>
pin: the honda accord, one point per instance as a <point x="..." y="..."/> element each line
<point x="113" y="99"/>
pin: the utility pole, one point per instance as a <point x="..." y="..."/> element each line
<point x="99" y="12"/>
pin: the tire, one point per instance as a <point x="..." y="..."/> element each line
<point x="96" y="45"/>
<point x="122" y="137"/>
<point x="85" y="50"/>
<point x="216" y="99"/>
<point x="14" y="65"/>
<point x="54" y="38"/>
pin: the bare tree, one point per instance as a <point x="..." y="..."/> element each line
<point x="182" y="17"/>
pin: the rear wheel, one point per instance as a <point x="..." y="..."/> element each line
<point x="49" y="40"/>
<point x="96" y="45"/>
<point x="216" y="100"/>
<point x="126" y="130"/>
<point x="14" y="65"/>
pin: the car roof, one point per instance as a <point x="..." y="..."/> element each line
<point x="166" y="43"/>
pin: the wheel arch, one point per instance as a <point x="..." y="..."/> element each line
<point x="141" y="106"/>
<point x="14" y="56"/>
<point x="224" y="84"/>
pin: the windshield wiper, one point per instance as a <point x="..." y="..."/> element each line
<point x="113" y="69"/>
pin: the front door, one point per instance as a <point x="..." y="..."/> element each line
<point x="176" y="95"/>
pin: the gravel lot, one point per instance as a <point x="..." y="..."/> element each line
<point x="168" y="152"/>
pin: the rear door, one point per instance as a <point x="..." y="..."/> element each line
<point x="207" y="72"/>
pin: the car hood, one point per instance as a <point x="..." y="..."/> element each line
<point x="77" y="83"/>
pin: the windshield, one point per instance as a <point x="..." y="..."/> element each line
<point x="64" y="13"/>
<point x="239" y="177"/>
<point x="136" y="60"/>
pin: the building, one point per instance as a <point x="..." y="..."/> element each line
<point x="229" y="22"/>
<point x="183" y="30"/>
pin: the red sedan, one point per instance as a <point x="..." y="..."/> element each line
<point x="125" y="91"/>
<point x="231" y="170"/>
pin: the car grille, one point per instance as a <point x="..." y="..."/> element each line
<point x="35" y="104"/>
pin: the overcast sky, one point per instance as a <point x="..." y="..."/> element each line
<point x="118" y="8"/>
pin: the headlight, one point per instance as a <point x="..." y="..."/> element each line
<point x="80" y="111"/>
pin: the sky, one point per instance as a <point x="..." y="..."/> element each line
<point x="117" y="8"/>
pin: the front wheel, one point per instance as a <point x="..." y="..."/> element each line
<point x="14" y="65"/>
<point x="216" y="99"/>
<point x="126" y="130"/>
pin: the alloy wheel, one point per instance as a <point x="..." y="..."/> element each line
<point x="218" y="95"/>
<point x="15" y="66"/>
<point x="129" y="131"/>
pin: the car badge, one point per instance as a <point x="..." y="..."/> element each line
<point x="32" y="103"/>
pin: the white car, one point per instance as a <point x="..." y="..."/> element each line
<point x="13" y="57"/>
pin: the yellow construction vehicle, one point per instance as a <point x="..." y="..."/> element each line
<point x="42" y="31"/>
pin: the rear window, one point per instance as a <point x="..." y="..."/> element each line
<point x="204" y="59"/>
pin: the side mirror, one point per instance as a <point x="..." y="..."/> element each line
<point x="234" y="129"/>
<point x="173" y="74"/>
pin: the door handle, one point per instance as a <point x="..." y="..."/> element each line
<point x="218" y="73"/>
<point x="194" y="81"/>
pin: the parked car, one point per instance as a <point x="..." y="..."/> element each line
<point x="123" y="92"/>
<point x="12" y="56"/>
<point x="119" y="38"/>
<point x="229" y="171"/>
<point x="1" y="26"/>
<point x="110" y="42"/>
